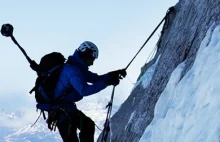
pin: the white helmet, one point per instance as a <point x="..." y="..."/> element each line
<point x="89" y="45"/>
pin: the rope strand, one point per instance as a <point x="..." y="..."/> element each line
<point x="107" y="121"/>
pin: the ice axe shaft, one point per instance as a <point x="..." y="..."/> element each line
<point x="7" y="31"/>
<point x="22" y="50"/>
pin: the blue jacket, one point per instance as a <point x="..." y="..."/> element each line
<point x="74" y="78"/>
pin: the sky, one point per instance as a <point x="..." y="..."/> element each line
<point x="118" y="28"/>
<point x="189" y="109"/>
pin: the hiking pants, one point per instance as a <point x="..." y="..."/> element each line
<point x="78" y="120"/>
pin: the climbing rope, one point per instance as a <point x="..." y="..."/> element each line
<point x="98" y="127"/>
<point x="150" y="57"/>
<point x="109" y="106"/>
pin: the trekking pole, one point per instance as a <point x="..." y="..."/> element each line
<point x="7" y="31"/>
<point x="107" y="122"/>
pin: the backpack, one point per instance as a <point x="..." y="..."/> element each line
<point x="48" y="73"/>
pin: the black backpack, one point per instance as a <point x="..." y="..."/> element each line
<point x="48" y="73"/>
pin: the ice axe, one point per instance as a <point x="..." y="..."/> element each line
<point x="7" y="31"/>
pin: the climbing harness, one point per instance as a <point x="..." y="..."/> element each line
<point x="109" y="106"/>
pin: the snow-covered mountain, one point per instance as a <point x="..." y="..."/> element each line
<point x="177" y="96"/>
<point x="92" y="107"/>
<point x="11" y="133"/>
<point x="38" y="132"/>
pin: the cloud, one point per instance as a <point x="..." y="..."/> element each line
<point x="17" y="110"/>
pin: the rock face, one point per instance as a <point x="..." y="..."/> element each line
<point x="180" y="40"/>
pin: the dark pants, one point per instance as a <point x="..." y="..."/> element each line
<point x="78" y="120"/>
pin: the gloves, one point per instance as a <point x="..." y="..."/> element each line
<point x="115" y="76"/>
<point x="118" y="74"/>
<point x="114" y="82"/>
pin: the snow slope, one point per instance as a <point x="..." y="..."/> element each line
<point x="189" y="108"/>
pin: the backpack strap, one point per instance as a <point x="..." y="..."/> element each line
<point x="43" y="94"/>
<point x="48" y="73"/>
<point x="44" y="115"/>
<point x="33" y="89"/>
<point x="45" y="74"/>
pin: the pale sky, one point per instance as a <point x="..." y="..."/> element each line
<point x="118" y="28"/>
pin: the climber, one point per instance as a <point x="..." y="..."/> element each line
<point x="72" y="86"/>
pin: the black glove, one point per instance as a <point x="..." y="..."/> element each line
<point x="115" y="76"/>
<point x="118" y="74"/>
<point x="114" y="82"/>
